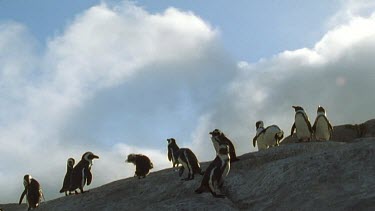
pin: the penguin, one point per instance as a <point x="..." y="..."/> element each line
<point x="301" y="125"/>
<point x="69" y="170"/>
<point x="82" y="172"/>
<point x="172" y="148"/>
<point x="267" y="137"/>
<point x="216" y="172"/>
<point x="186" y="158"/>
<point x="33" y="192"/>
<point x="218" y="138"/>
<point x="322" y="128"/>
<point x="142" y="164"/>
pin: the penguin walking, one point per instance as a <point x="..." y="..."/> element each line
<point x="81" y="174"/>
<point x="142" y="164"/>
<point x="33" y="192"/>
<point x="69" y="170"/>
<point x="216" y="172"/>
<point x="301" y="125"/>
<point x="172" y="149"/>
<point x="218" y="138"/>
<point x="186" y="158"/>
<point x="322" y="128"/>
<point x="267" y="137"/>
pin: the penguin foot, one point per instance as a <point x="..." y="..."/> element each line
<point x="199" y="190"/>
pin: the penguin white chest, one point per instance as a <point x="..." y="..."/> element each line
<point x="322" y="129"/>
<point x="216" y="144"/>
<point x="302" y="128"/>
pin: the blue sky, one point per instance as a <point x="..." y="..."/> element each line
<point x="243" y="25"/>
<point x="115" y="78"/>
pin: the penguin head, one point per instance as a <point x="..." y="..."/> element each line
<point x="27" y="180"/>
<point x="89" y="156"/>
<point x="259" y="124"/>
<point x="70" y="163"/>
<point x="321" y="110"/>
<point x="298" y="108"/>
<point x="216" y="133"/>
<point x="171" y="141"/>
<point x="132" y="158"/>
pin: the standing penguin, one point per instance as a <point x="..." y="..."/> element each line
<point x="33" y="192"/>
<point x="216" y="172"/>
<point x="267" y="137"/>
<point x="322" y="128"/>
<point x="172" y="149"/>
<point x="69" y="170"/>
<point x="301" y="125"/>
<point x="186" y="158"/>
<point x="82" y="172"/>
<point x="142" y="164"/>
<point x="218" y="138"/>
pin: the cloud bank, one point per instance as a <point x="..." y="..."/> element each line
<point x="120" y="80"/>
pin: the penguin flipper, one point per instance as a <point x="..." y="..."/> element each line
<point x="88" y="176"/>
<point x="314" y="126"/>
<point x="169" y="154"/>
<point x="255" y="140"/>
<point x="22" y="195"/>
<point x="293" y="128"/>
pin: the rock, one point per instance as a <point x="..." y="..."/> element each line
<point x="345" y="133"/>
<point x="330" y="175"/>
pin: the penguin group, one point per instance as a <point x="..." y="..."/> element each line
<point x="271" y="136"/>
<point x="80" y="175"/>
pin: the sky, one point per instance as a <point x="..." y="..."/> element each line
<point x="121" y="77"/>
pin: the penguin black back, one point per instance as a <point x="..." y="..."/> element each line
<point x="33" y="192"/>
<point x="142" y="164"/>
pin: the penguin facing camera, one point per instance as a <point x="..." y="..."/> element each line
<point x="33" y="192"/>
<point x="142" y="164"/>
<point x="172" y="149"/>
<point x="301" y="125"/>
<point x="322" y="128"/>
<point x="267" y="137"/>
<point x="81" y="174"/>
<point x="69" y="169"/>
<point x="186" y="158"/>
<point x="216" y="173"/>
<point x="218" y="138"/>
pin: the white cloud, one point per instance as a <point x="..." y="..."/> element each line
<point x="338" y="73"/>
<point x="113" y="69"/>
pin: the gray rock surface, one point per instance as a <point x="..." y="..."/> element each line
<point x="301" y="176"/>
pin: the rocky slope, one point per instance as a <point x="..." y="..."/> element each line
<point x="297" y="176"/>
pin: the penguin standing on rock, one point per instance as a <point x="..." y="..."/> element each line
<point x="216" y="172"/>
<point x="142" y="164"/>
<point x="301" y="125"/>
<point x="33" y="192"/>
<point x="172" y="149"/>
<point x="81" y="174"/>
<point x="267" y="137"/>
<point x="322" y="128"/>
<point x="186" y="158"/>
<point x="69" y="170"/>
<point x="218" y="138"/>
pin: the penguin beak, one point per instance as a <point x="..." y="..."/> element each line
<point x="95" y="156"/>
<point x="294" y="107"/>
